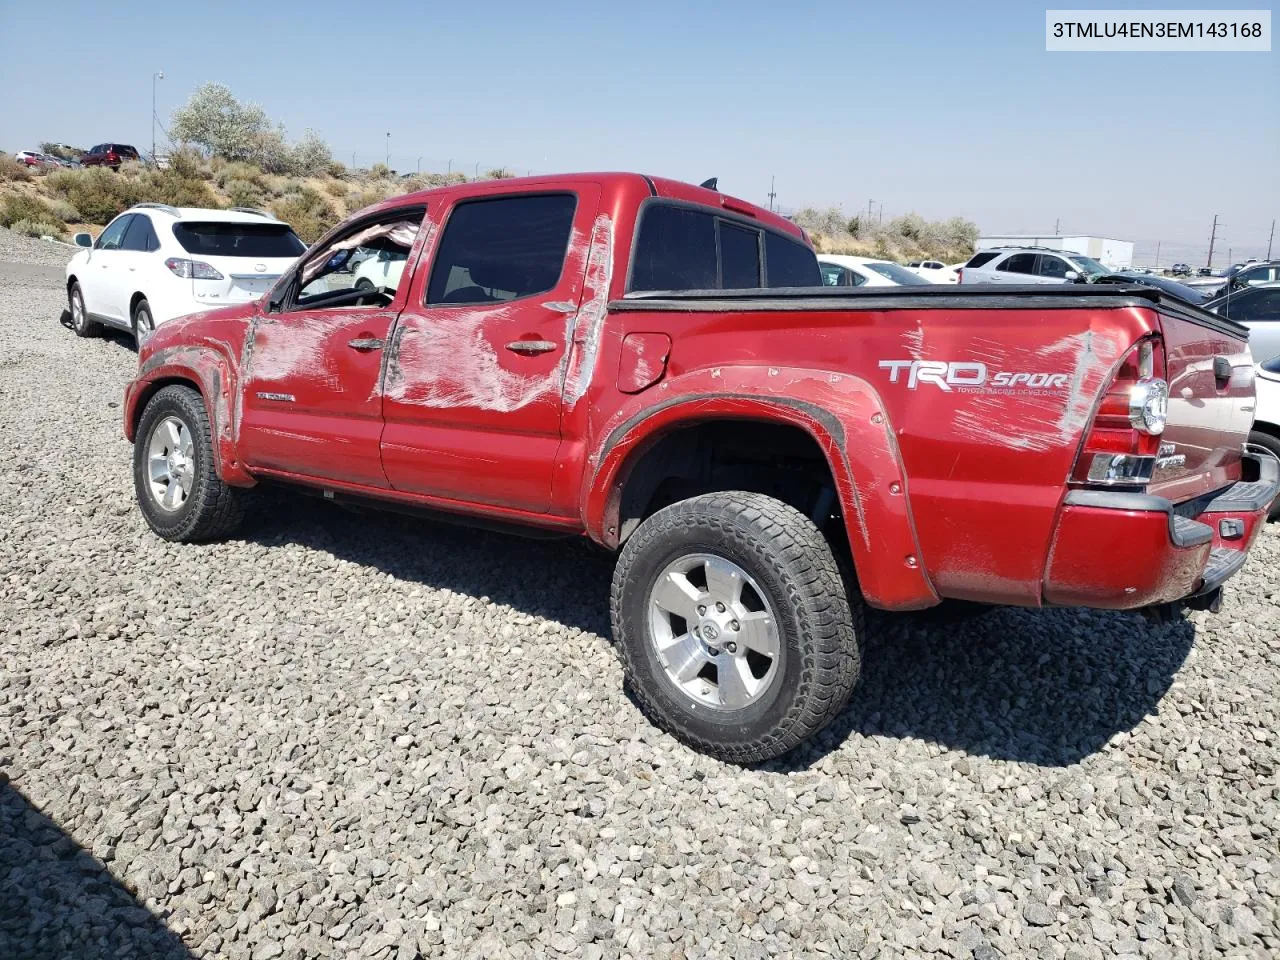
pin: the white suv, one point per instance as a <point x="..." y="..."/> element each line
<point x="1030" y="265"/>
<point x="155" y="262"/>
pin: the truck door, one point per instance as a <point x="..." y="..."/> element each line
<point x="475" y="378"/>
<point x="310" y="401"/>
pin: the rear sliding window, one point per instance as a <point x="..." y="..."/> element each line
<point x="680" y="248"/>
<point x="981" y="259"/>
<point x="261" y="240"/>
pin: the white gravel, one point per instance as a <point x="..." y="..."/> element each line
<point x="376" y="737"/>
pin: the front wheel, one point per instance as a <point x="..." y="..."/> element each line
<point x="177" y="486"/>
<point x="736" y="634"/>
<point x="81" y="322"/>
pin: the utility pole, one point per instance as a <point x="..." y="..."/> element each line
<point x="1056" y="224"/>
<point x="419" y="167"/>
<point x="353" y="159"/>
<point x="1157" y="254"/>
<point x="1212" y="237"/>
<point x="449" y="169"/>
<point x="869" y="203"/>
<point x="1270" y="238"/>
<point x="882" y="212"/>
<point x="773" y="194"/>
<point x="388" y="150"/>
<point x="159" y="75"/>
<point x="477" y="169"/>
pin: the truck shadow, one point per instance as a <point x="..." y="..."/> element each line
<point x="57" y="900"/>
<point x="1048" y="687"/>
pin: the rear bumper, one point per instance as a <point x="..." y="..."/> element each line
<point x="1126" y="550"/>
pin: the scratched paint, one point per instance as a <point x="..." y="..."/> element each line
<point x="1041" y="421"/>
<point x="450" y="363"/>
<point x="589" y="323"/>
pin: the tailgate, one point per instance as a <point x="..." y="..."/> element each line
<point x="1211" y="405"/>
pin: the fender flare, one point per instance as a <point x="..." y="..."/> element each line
<point x="845" y="417"/>
<point x="209" y="371"/>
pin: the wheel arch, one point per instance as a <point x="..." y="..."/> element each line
<point x="839" y="418"/>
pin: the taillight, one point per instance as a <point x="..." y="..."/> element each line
<point x="192" y="269"/>
<point x="960" y="275"/>
<point x="1124" y="438"/>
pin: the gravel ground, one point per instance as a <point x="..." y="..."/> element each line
<point x="374" y="737"/>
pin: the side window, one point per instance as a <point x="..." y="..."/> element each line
<point x="1019" y="263"/>
<point x="676" y="250"/>
<point x="140" y="236"/>
<point x="739" y="257"/>
<point x="112" y="237"/>
<point x="502" y="249"/>
<point x="1051" y="266"/>
<point x="854" y="279"/>
<point x="832" y="275"/>
<point x="789" y="263"/>
<point x="364" y="267"/>
<point x="981" y="259"/>
<point x="1259" y="307"/>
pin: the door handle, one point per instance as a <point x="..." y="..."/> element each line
<point x="530" y="347"/>
<point x="365" y="344"/>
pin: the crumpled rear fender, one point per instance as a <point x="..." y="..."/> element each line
<point x="211" y="373"/>
<point x="842" y="413"/>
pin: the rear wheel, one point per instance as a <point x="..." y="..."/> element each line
<point x="81" y="323"/>
<point x="1268" y="442"/>
<point x="178" y="489"/>
<point x="735" y="630"/>
<point x="144" y="324"/>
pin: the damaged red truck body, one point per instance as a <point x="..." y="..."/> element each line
<point x="656" y="366"/>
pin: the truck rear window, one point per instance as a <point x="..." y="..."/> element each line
<point x="677" y="249"/>
<point x="263" y="240"/>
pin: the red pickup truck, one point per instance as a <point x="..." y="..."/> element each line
<point x="656" y="366"/>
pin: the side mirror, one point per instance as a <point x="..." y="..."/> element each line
<point x="1071" y="276"/>
<point x="83" y="240"/>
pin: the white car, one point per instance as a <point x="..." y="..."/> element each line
<point x="1266" y="420"/>
<point x="842" y="271"/>
<point x="155" y="262"/>
<point x="1030" y="265"/>
<point x="381" y="271"/>
<point x="935" y="271"/>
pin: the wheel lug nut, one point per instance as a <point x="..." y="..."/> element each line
<point x="702" y="611"/>
<point x="734" y="625"/>
<point x="731" y="647"/>
<point x="720" y="607"/>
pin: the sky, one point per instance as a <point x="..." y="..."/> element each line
<point x="942" y="109"/>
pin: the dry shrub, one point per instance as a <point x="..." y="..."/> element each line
<point x="245" y="193"/>
<point x="38" y="228"/>
<point x="11" y="169"/>
<point x="172" y="187"/>
<point x="307" y="211"/>
<point x="21" y="206"/>
<point x="97" y="193"/>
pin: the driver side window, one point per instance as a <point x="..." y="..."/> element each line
<point x="112" y="237"/>
<point x="364" y="267"/>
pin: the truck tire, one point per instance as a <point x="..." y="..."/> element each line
<point x="81" y="322"/>
<point x="736" y="634"/>
<point x="174" y="477"/>
<point x="1271" y="443"/>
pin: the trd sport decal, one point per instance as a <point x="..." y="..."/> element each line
<point x="966" y="375"/>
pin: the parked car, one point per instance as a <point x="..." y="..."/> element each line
<point x="155" y="262"/>
<point x="1205" y="272"/>
<point x="626" y="358"/>
<point x="381" y="270"/>
<point x="1181" y="270"/>
<point x="1250" y="274"/>
<point x="1168" y="285"/>
<point x="108" y="155"/>
<point x="1030" y="265"/>
<point x="935" y="271"/>
<point x="1258" y="309"/>
<point x="1266" y="423"/>
<point x="32" y="158"/>
<point x="842" y="271"/>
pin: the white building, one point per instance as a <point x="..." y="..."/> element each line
<point x="1117" y="254"/>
